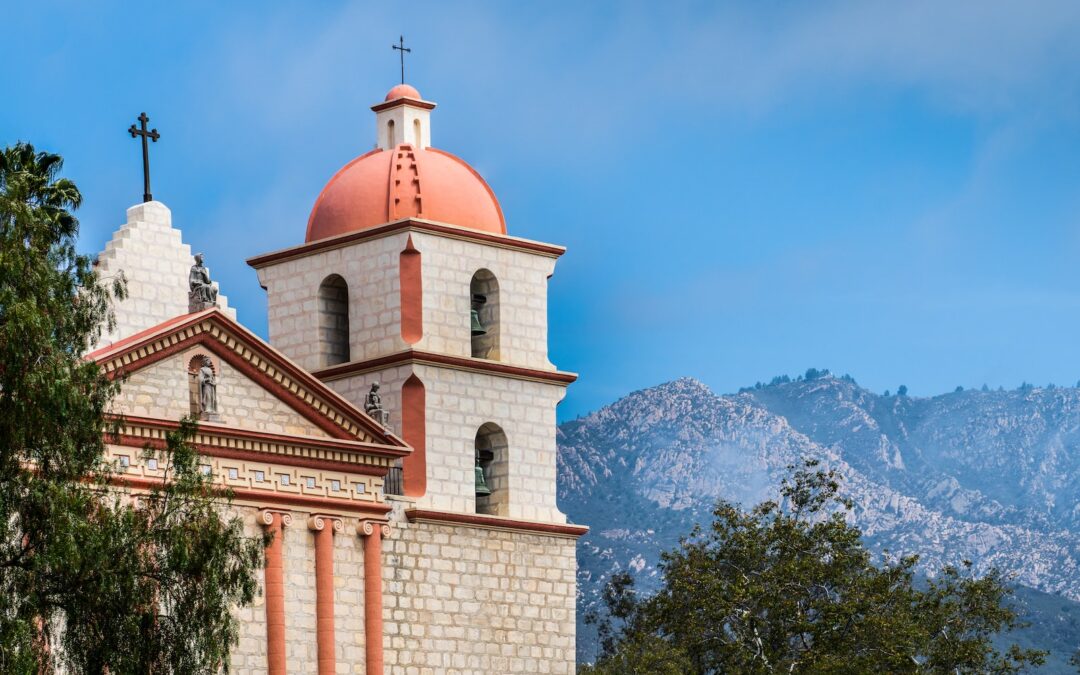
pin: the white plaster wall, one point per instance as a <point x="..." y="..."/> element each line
<point x="155" y="261"/>
<point x="404" y="127"/>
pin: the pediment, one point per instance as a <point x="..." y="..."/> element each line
<point x="258" y="388"/>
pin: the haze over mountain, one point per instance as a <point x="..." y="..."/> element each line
<point x="986" y="476"/>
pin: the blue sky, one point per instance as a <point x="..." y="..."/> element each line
<point x="886" y="189"/>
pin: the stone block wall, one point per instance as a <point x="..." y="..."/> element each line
<point x="464" y="599"/>
<point x="369" y="268"/>
<point x="448" y="266"/>
<point x="161" y="391"/>
<point x="458" y="403"/>
<point x="456" y="599"/>
<point x="154" y="260"/>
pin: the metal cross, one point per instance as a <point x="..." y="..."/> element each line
<point x="402" y="48"/>
<point x="153" y="135"/>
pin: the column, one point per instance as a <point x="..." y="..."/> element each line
<point x="324" y="528"/>
<point x="373" y="531"/>
<point x="274" y="590"/>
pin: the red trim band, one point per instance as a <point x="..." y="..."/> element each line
<point x="459" y="362"/>
<point x="410" y="224"/>
<point x="496" y="522"/>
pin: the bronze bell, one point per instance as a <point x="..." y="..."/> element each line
<point x="478" y="301"/>
<point x="477" y="327"/>
<point x="482" y="490"/>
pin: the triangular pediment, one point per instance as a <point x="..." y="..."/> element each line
<point x="258" y="389"/>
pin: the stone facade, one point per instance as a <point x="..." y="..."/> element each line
<point x="150" y="254"/>
<point x="457" y="599"/>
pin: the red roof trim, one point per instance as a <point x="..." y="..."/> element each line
<point x="410" y="224"/>
<point x="496" y="522"/>
<point x="403" y="100"/>
<point x="461" y="362"/>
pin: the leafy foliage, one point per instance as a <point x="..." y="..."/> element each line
<point x="92" y="579"/>
<point x="789" y="587"/>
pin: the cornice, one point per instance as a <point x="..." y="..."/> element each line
<point x="464" y="363"/>
<point x="495" y="522"/>
<point x="406" y="225"/>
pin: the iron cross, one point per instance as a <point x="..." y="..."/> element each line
<point x="153" y="135"/>
<point x="402" y="48"/>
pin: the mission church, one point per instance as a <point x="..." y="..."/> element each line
<point x="396" y="435"/>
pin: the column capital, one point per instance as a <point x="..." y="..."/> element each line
<point x="317" y="522"/>
<point x="366" y="528"/>
<point x="266" y="517"/>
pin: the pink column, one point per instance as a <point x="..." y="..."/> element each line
<point x="373" y="531"/>
<point x="324" y="528"/>
<point x="274" y="588"/>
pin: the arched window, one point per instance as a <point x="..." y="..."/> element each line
<point x="492" y="493"/>
<point x="484" y="319"/>
<point x="333" y="321"/>
<point x="418" y="141"/>
<point x="391" y="137"/>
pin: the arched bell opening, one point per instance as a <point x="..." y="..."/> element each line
<point x="418" y="138"/>
<point x="333" y="304"/>
<point x="491" y="471"/>
<point x="484" y="315"/>
<point x="391" y="136"/>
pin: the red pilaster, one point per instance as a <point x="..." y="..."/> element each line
<point x="373" y="531"/>
<point x="274" y="590"/>
<point x="324" y="528"/>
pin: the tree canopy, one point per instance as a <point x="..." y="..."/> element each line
<point x="93" y="579"/>
<point x="788" y="587"/>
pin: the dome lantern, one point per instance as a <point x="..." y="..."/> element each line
<point x="403" y="118"/>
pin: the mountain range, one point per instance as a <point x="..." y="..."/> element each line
<point x="987" y="476"/>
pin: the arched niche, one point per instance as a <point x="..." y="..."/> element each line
<point x="491" y="456"/>
<point x="391" y="135"/>
<point x="333" y="307"/>
<point x="484" y="310"/>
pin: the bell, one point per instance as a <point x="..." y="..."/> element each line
<point x="482" y="490"/>
<point x="477" y="327"/>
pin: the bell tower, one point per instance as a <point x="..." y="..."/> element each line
<point x="409" y="279"/>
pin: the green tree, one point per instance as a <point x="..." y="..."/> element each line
<point x="788" y="587"/>
<point x="92" y="579"/>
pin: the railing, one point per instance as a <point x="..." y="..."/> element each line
<point x="395" y="482"/>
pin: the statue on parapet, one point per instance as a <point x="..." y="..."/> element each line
<point x="373" y="406"/>
<point x="202" y="294"/>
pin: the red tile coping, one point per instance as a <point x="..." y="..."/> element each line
<point x="459" y="362"/>
<point x="496" y="522"/>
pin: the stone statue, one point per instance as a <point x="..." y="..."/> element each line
<point x="202" y="295"/>
<point x="373" y="406"/>
<point x="207" y="388"/>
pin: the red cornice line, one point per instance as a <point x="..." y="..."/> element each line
<point x="411" y="224"/>
<point x="404" y="100"/>
<point x="458" y="362"/>
<point x="129" y="441"/>
<point x="496" y="522"/>
<point x="319" y="505"/>
<point x="357" y="447"/>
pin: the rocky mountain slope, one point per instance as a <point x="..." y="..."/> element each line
<point x="990" y="477"/>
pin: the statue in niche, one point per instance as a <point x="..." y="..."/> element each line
<point x="373" y="406"/>
<point x="207" y="389"/>
<point x="202" y="294"/>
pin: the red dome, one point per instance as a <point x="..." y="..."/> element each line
<point x="403" y="91"/>
<point x="386" y="185"/>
